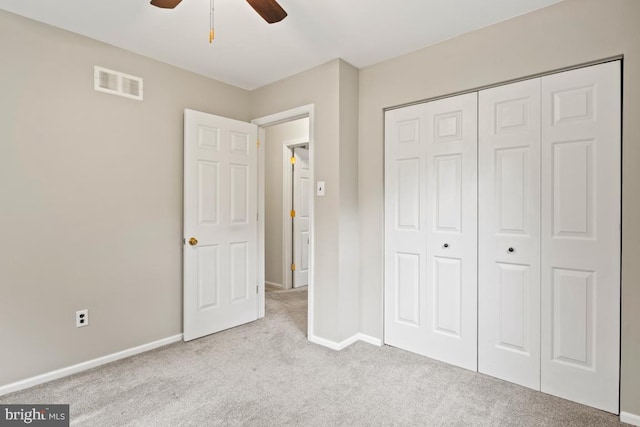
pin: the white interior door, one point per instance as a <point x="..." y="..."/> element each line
<point x="581" y="235"/>
<point x="405" y="296"/>
<point x="451" y="230"/>
<point x="301" y="198"/>
<point x="220" y="223"/>
<point x="509" y="233"/>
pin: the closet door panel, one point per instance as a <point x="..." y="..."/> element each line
<point x="405" y="305"/>
<point x="581" y="235"/>
<point x="509" y="233"/>
<point x="451" y="230"/>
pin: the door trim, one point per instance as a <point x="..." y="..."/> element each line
<point x="263" y="122"/>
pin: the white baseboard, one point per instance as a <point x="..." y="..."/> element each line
<point x="70" y="370"/>
<point x="278" y="285"/>
<point x="628" y="418"/>
<point x="346" y="343"/>
<point x="324" y="342"/>
<point x="370" y="340"/>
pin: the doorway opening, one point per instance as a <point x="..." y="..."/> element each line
<point x="287" y="192"/>
<point x="297" y="191"/>
<point x="285" y="198"/>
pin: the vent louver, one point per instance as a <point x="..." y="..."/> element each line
<point x="117" y="83"/>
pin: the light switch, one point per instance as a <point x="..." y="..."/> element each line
<point x="320" y="188"/>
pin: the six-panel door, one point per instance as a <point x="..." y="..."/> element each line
<point x="220" y="223"/>
<point x="431" y="240"/>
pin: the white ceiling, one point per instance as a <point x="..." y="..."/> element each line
<point x="250" y="53"/>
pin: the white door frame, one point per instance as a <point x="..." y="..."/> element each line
<point x="263" y="122"/>
<point x="287" y="205"/>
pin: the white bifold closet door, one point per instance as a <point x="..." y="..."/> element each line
<point x="509" y="233"/>
<point x="502" y="232"/>
<point x="452" y="233"/>
<point x="581" y="202"/>
<point x="405" y="307"/>
<point x="549" y="234"/>
<point x="431" y="229"/>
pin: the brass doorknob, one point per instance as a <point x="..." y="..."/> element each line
<point x="193" y="241"/>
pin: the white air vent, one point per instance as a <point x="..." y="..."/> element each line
<point x="117" y="83"/>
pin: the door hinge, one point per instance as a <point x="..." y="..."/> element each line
<point x="293" y="214"/>
<point x="258" y="143"/>
<point x="293" y="160"/>
<point x="257" y="287"/>
<point x="293" y="267"/>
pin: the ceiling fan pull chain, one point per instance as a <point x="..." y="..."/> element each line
<point x="211" y="31"/>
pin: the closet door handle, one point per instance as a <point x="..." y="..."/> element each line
<point x="511" y="250"/>
<point x="446" y="245"/>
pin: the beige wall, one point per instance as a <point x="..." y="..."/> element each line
<point x="349" y="255"/>
<point x="321" y="86"/>
<point x="562" y="35"/>
<point x="90" y="197"/>
<point x="275" y="137"/>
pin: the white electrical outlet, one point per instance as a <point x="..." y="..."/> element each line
<point x="82" y="318"/>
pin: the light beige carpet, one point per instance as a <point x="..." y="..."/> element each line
<point x="267" y="374"/>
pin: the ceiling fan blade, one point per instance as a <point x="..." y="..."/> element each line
<point x="270" y="10"/>
<point x="166" y="4"/>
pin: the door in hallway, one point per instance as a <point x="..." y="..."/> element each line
<point x="301" y="198"/>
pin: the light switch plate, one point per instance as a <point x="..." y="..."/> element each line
<point x="320" y="188"/>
